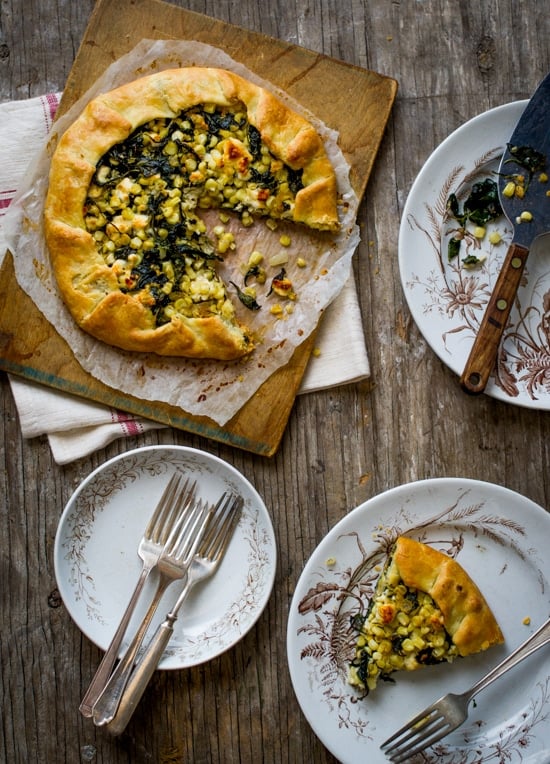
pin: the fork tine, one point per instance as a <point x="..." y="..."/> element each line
<point x="421" y="732"/>
<point x="175" y="502"/>
<point x="413" y="727"/>
<point x="185" y="542"/>
<point x="226" y="531"/>
<point x="157" y="518"/>
<point x="420" y="744"/>
<point x="184" y="519"/>
<point x="221" y="526"/>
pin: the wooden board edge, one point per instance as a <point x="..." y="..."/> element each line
<point x="16" y="350"/>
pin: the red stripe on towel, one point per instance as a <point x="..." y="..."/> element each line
<point x="5" y="203"/>
<point x="49" y="102"/>
<point x="127" y="423"/>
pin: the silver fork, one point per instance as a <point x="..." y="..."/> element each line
<point x="174" y="501"/>
<point x="450" y="711"/>
<point x="217" y="536"/>
<point x="172" y="565"/>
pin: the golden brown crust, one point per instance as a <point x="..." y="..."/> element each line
<point x="468" y="618"/>
<point x="86" y="283"/>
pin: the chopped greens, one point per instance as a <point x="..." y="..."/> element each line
<point x="481" y="206"/>
<point x="527" y="157"/>
<point x="253" y="272"/>
<point x="247" y="300"/>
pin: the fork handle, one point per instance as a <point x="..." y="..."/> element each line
<point x="537" y="640"/>
<point x="106" y="705"/>
<point x="108" y="661"/>
<point x="147" y="663"/>
<point x="141" y="676"/>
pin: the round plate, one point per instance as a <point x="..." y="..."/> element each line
<point x="501" y="539"/>
<point x="447" y="300"/>
<point x="97" y="566"/>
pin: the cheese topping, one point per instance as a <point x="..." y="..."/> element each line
<point x="402" y="630"/>
<point x="143" y="200"/>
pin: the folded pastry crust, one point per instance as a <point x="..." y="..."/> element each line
<point x="425" y="610"/>
<point x="467" y="617"/>
<point x="88" y="285"/>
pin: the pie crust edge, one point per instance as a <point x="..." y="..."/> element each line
<point x="467" y="616"/>
<point x="88" y="286"/>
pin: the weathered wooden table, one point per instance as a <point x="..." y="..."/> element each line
<point x="410" y="421"/>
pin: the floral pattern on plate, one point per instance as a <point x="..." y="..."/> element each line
<point x="496" y="535"/>
<point x="446" y="299"/>
<point x="97" y="564"/>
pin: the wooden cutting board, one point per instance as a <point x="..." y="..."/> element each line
<point x="354" y="101"/>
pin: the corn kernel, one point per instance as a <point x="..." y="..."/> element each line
<point x="255" y="258"/>
<point x="509" y="189"/>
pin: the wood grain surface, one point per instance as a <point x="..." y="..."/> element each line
<point x="452" y="60"/>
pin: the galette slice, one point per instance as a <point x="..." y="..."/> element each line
<point x="425" y="610"/>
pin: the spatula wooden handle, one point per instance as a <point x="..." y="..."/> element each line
<point x="484" y="351"/>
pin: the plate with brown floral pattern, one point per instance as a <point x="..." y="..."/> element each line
<point x="501" y="539"/>
<point x="449" y="262"/>
<point x="97" y="565"/>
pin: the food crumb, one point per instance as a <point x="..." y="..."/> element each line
<point x="526" y="621"/>
<point x="316" y="352"/>
<point x="330" y="562"/>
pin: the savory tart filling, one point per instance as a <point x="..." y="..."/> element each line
<point x="142" y="201"/>
<point x="402" y="630"/>
<point x="127" y="184"/>
<point x="406" y="627"/>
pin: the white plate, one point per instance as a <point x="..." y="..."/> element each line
<point x="97" y="566"/>
<point x="448" y="301"/>
<point x="501" y="539"/>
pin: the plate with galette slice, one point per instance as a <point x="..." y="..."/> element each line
<point x="418" y="592"/>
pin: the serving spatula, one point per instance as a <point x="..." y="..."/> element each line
<point x="527" y="154"/>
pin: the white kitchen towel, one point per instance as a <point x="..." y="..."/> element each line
<point x="76" y="427"/>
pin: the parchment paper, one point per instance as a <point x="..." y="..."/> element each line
<point x="207" y="388"/>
